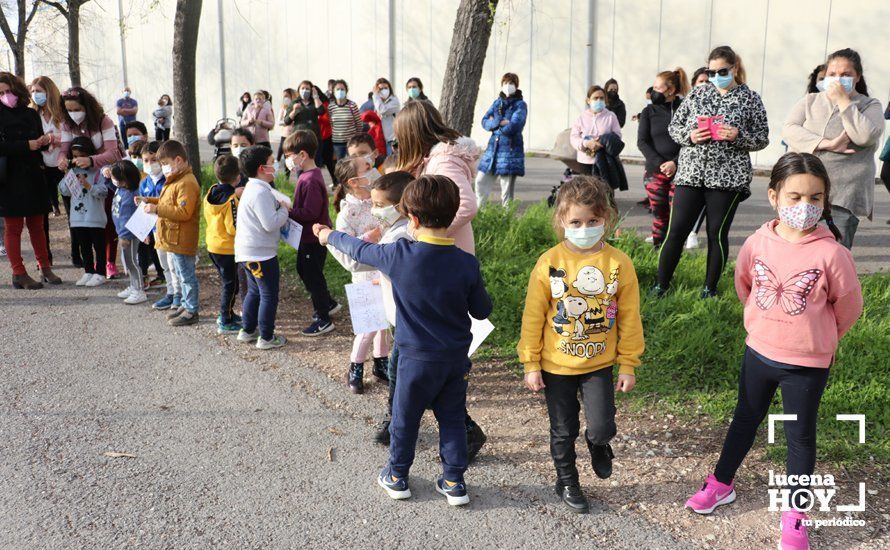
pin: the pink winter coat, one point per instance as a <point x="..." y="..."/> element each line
<point x="458" y="161"/>
<point x="593" y="125"/>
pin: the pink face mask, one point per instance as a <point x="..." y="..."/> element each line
<point x="802" y="216"/>
<point x="9" y="99"/>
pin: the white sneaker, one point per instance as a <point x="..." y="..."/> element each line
<point x="95" y="280"/>
<point x="87" y="277"/>
<point x="136" y="297"/>
<point x="691" y="241"/>
<point x="125" y="293"/>
<point x="650" y="239"/>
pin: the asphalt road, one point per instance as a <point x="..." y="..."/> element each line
<point x="233" y="448"/>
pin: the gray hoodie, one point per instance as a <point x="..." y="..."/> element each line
<point x="88" y="210"/>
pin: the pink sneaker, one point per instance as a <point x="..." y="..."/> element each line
<point x="110" y="271"/>
<point x="711" y="495"/>
<point x="794" y="532"/>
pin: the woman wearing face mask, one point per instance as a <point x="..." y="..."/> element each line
<point x="614" y="103"/>
<point x="345" y="118"/>
<point x="163" y="117"/>
<point x="815" y="84"/>
<point x="259" y="119"/>
<point x="23" y="196"/>
<point x="660" y="151"/>
<point x="305" y="109"/>
<point x="504" y="158"/>
<point x="387" y="106"/>
<point x="47" y="101"/>
<point x="594" y="122"/>
<point x="842" y="126"/>
<point x="714" y="171"/>
<point x="287" y="100"/>
<point x="414" y="89"/>
<point x="699" y="77"/>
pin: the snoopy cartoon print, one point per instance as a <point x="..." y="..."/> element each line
<point x="576" y="308"/>
<point x="558" y="289"/>
<point x="591" y="282"/>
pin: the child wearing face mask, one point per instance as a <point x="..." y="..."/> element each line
<point x="178" y="208"/>
<point x="801" y="295"/>
<point x="581" y="318"/>
<point x="310" y="206"/>
<point x="352" y="202"/>
<point x="363" y="146"/>
<point x="151" y="186"/>
<point x="87" y="216"/>
<point x="595" y="121"/>
<point x="125" y="177"/>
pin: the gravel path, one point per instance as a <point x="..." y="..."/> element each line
<point x="233" y="447"/>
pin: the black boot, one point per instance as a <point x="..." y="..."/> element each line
<point x="381" y="364"/>
<point x="476" y="438"/>
<point x="381" y="432"/>
<point x="572" y="496"/>
<point x="601" y="456"/>
<point x="354" y="377"/>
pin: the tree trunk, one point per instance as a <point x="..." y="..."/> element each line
<point x="469" y="43"/>
<point x="185" y="43"/>
<point x="74" y="41"/>
<point x="19" y="53"/>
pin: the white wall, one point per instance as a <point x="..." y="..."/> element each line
<point x="273" y="44"/>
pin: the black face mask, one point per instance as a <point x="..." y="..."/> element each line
<point x="657" y="98"/>
<point x="613" y="95"/>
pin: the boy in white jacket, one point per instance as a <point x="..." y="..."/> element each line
<point x="260" y="219"/>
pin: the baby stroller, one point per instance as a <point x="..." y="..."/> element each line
<point x="221" y="137"/>
<point x="564" y="152"/>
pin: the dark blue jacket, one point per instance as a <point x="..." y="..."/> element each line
<point x="607" y="163"/>
<point x="505" y="154"/>
<point x="122" y="207"/>
<point x="434" y="286"/>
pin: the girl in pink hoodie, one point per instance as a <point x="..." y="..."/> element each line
<point x="801" y="295"/>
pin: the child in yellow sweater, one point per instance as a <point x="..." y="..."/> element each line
<point x="582" y="317"/>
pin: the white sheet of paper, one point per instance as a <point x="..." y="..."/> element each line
<point x="481" y="330"/>
<point x="279" y="196"/>
<point x="366" y="307"/>
<point x="71" y="182"/>
<point x="291" y="233"/>
<point x="141" y="223"/>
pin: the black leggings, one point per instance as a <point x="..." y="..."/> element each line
<point x="91" y="242"/>
<point x="801" y="393"/>
<point x="720" y="208"/>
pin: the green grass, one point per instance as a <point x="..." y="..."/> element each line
<point x="693" y="346"/>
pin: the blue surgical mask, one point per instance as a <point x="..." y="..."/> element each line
<point x="133" y="139"/>
<point x="585" y="237"/>
<point x="39" y="98"/>
<point x="139" y="165"/>
<point x="722" y="82"/>
<point x="413" y="93"/>
<point x="820" y="85"/>
<point x="340" y="94"/>
<point x="597" y="105"/>
<point x="846" y="82"/>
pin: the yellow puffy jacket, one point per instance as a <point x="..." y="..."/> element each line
<point x="220" y="211"/>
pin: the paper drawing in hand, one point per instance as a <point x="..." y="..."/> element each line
<point x="791" y="294"/>
<point x="558" y="289"/>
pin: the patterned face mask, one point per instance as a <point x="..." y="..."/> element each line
<point x="802" y="216"/>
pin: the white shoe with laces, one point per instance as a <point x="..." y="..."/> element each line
<point x="136" y="297"/>
<point x="125" y="293"/>
<point x="87" y="277"/>
<point x="95" y="280"/>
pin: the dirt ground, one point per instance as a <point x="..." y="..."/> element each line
<point x="660" y="458"/>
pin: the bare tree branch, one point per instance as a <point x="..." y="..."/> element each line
<point x="57" y="5"/>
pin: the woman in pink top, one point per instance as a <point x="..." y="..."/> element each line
<point x="259" y="119"/>
<point x="427" y="146"/>
<point x="84" y="116"/>
<point x="595" y="121"/>
<point x="801" y="295"/>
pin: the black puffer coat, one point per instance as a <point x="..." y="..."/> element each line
<point x="23" y="192"/>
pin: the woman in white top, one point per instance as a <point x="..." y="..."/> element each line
<point x="47" y="101"/>
<point x="387" y="106"/>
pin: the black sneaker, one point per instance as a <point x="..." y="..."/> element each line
<point x="475" y="440"/>
<point x="381" y="432"/>
<point x="354" y="377"/>
<point x="455" y="493"/>
<point x="601" y="457"/>
<point x="573" y="497"/>
<point x="381" y="364"/>
<point x="317" y="328"/>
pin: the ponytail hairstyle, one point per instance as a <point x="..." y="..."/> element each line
<point x="344" y="171"/>
<point x="727" y="54"/>
<point x="853" y="57"/>
<point x="793" y="164"/>
<point x="677" y="79"/>
<point x="814" y="78"/>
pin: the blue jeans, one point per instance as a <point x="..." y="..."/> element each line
<point x="441" y="386"/>
<point x="260" y="305"/>
<point x="188" y="280"/>
<point x="340" y="150"/>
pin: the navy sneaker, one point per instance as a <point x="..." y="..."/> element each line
<point x="317" y="328"/>
<point x="456" y="494"/>
<point x="396" y="488"/>
<point x="177" y="301"/>
<point x="164" y="303"/>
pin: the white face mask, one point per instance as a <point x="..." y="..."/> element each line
<point x="77" y="116"/>
<point x="384" y="93"/>
<point x="154" y="169"/>
<point x="508" y="89"/>
<point x="585" y="237"/>
<point x="236" y="150"/>
<point x="387" y="215"/>
<point x="166" y="169"/>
